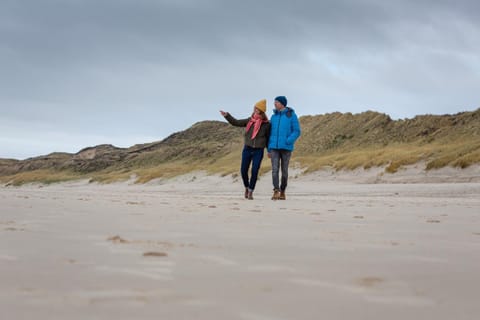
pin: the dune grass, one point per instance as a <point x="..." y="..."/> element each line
<point x="393" y="157"/>
<point x="462" y="155"/>
<point x="40" y="176"/>
<point x="436" y="155"/>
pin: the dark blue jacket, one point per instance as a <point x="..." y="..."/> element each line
<point x="284" y="130"/>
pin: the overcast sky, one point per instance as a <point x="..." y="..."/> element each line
<point x="77" y="73"/>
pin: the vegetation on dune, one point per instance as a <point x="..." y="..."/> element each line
<point x="44" y="176"/>
<point x="337" y="140"/>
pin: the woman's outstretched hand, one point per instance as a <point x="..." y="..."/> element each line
<point x="223" y="113"/>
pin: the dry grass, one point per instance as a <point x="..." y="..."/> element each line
<point x="462" y="155"/>
<point x="40" y="176"/>
<point x="393" y="157"/>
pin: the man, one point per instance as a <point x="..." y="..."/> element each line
<point x="285" y="130"/>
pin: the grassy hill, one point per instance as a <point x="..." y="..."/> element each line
<point x="372" y="139"/>
<point x="338" y="140"/>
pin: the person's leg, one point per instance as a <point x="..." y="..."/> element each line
<point x="246" y="159"/>
<point x="275" y="157"/>
<point x="256" y="162"/>
<point x="285" y="161"/>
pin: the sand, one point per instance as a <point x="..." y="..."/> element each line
<point x="193" y="248"/>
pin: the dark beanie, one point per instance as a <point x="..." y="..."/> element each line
<point x="282" y="100"/>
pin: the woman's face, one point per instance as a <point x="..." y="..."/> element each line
<point x="256" y="111"/>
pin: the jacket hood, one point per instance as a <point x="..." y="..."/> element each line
<point x="275" y="111"/>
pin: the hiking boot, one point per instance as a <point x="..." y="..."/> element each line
<point x="246" y="193"/>
<point x="276" y="194"/>
<point x="250" y="195"/>
<point x="282" y="196"/>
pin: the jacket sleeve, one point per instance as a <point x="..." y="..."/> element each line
<point x="235" y="122"/>
<point x="295" y="130"/>
<point x="269" y="130"/>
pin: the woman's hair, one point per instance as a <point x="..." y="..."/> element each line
<point x="262" y="114"/>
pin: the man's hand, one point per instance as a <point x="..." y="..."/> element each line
<point x="223" y="113"/>
<point x="269" y="155"/>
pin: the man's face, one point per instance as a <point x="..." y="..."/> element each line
<point x="278" y="105"/>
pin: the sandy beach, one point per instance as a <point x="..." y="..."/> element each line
<point x="193" y="248"/>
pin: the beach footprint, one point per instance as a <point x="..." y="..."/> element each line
<point x="11" y="226"/>
<point x="135" y="203"/>
<point x="155" y="254"/>
<point x="117" y="239"/>
<point x="369" y="282"/>
<point x="14" y="229"/>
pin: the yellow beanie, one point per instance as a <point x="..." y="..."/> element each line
<point x="261" y="105"/>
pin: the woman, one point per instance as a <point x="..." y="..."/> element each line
<point x="257" y="132"/>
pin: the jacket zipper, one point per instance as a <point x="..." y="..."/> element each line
<point x="278" y="128"/>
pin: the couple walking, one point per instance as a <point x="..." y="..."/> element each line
<point x="277" y="135"/>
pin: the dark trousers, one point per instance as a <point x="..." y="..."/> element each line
<point x="253" y="156"/>
<point x="280" y="159"/>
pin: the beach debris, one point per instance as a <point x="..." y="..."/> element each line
<point x="369" y="281"/>
<point x="117" y="239"/>
<point x="155" y="254"/>
<point x="135" y="203"/>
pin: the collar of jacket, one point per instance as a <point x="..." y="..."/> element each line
<point x="275" y="111"/>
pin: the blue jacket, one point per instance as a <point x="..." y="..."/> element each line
<point x="284" y="130"/>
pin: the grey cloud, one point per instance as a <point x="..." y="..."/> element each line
<point x="117" y="69"/>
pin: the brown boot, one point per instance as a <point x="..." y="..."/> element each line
<point x="246" y="193"/>
<point x="276" y="194"/>
<point x="250" y="195"/>
<point x="282" y="196"/>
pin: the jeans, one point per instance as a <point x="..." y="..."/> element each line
<point x="280" y="159"/>
<point x="254" y="156"/>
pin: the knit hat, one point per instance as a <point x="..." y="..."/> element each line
<point x="261" y="105"/>
<point x="282" y="100"/>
